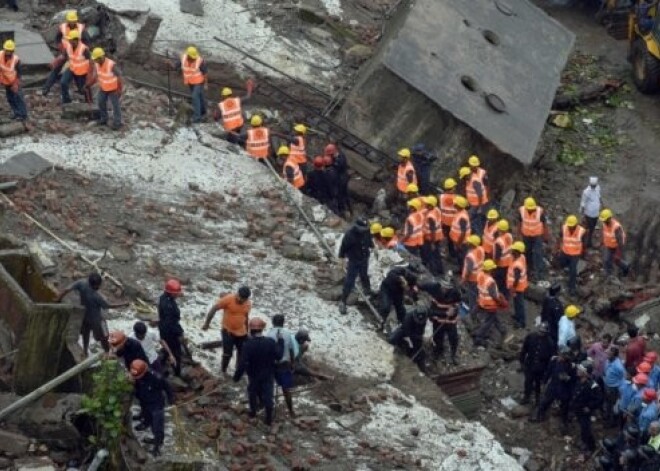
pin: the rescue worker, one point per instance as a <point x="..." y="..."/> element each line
<point x="489" y="301"/>
<point x="332" y="183"/>
<point x="169" y="317"/>
<point x="654" y="376"/>
<point x="388" y="238"/>
<point x="645" y="367"/>
<point x="80" y="65"/>
<point x="614" y="241"/>
<point x="628" y="389"/>
<point x="291" y="170"/>
<point x="405" y="171"/>
<point x="340" y="165"/>
<point x="257" y="139"/>
<point x="502" y="255"/>
<point x="552" y="309"/>
<point x="195" y="77"/>
<point x="432" y="232"/>
<point x="157" y="351"/>
<point x="297" y="148"/>
<point x="460" y="229"/>
<point x="448" y="211"/>
<point x="573" y="242"/>
<point x="443" y="313"/>
<point x="649" y="411"/>
<point x="259" y="359"/>
<point x="472" y="265"/>
<point x="477" y="194"/>
<point x="413" y="236"/>
<point x="590" y="205"/>
<point x="614" y="377"/>
<point x="636" y="348"/>
<point x="463" y="174"/>
<point x="126" y="348"/>
<point x="422" y="161"/>
<point x="355" y="246"/>
<point x="533" y="228"/>
<point x="586" y="399"/>
<point x="285" y="364"/>
<point x="398" y="281"/>
<point x="374" y="229"/>
<point x="230" y="111"/>
<point x="488" y="238"/>
<point x="516" y="282"/>
<point x="634" y="408"/>
<point x="535" y="355"/>
<point x="94" y="303"/>
<point x="316" y="184"/>
<point x="61" y="44"/>
<point x="149" y="391"/>
<point x="566" y="327"/>
<point x="409" y="336"/>
<point x="559" y="378"/>
<point x="10" y="78"/>
<point x="235" y="309"/>
<point x="110" y="87"/>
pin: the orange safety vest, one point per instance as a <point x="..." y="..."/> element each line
<point x="192" y="74"/>
<point x="471" y="194"/>
<point x="435" y="215"/>
<point x="108" y="81"/>
<point x="391" y="244"/>
<point x="447" y="208"/>
<point x="401" y="180"/>
<point x="571" y="241"/>
<point x="298" y="179"/>
<point x="232" y="115"/>
<point x="8" y="74"/>
<point x="297" y="151"/>
<point x="485" y="300"/>
<point x="78" y="64"/>
<point x="455" y="231"/>
<point x="531" y="223"/>
<point x="504" y="242"/>
<point x="416" y="222"/>
<point x="609" y="234"/>
<point x="258" y="142"/>
<point x="477" y="256"/>
<point x="65" y="30"/>
<point x="521" y="264"/>
<point x="488" y="239"/>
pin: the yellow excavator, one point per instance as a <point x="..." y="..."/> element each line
<point x="644" y="43"/>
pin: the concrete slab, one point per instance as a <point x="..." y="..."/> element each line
<point x="192" y="7"/>
<point x="25" y="165"/>
<point x="30" y="45"/>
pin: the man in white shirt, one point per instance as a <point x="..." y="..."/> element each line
<point x="152" y="345"/>
<point x="590" y="205"/>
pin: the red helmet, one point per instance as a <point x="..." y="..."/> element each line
<point x="138" y="368"/>
<point x="328" y="160"/>
<point x="649" y="394"/>
<point x="651" y="357"/>
<point x="640" y="378"/>
<point x="117" y="338"/>
<point x="257" y="323"/>
<point x="644" y="367"/>
<point x="330" y="149"/>
<point x="318" y="161"/>
<point x="173" y="286"/>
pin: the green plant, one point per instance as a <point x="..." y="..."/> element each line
<point x="107" y="405"/>
<point x="572" y="155"/>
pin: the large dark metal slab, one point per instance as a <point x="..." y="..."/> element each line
<point x="30" y="46"/>
<point x="25" y="165"/>
<point x="508" y="51"/>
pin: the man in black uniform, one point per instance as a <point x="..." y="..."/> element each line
<point x="559" y="377"/>
<point x="444" y="316"/>
<point x="552" y="310"/>
<point x="259" y="359"/>
<point x="126" y="348"/>
<point x="422" y="161"/>
<point x="356" y="247"/>
<point x="410" y="335"/>
<point x="340" y="165"/>
<point x="169" y="317"/>
<point x="393" y="288"/>
<point x="149" y="390"/>
<point x="535" y="357"/>
<point x="587" y="398"/>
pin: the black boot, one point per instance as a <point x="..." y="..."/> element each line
<point x="225" y="363"/>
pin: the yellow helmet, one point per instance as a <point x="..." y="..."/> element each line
<point x="97" y="53"/>
<point x="9" y="45"/>
<point x="492" y="214"/>
<point x="375" y="228"/>
<point x="412" y="188"/>
<point x="256" y="121"/>
<point x="404" y="153"/>
<point x="571" y="311"/>
<point x="387" y="233"/>
<point x="283" y="150"/>
<point x="192" y="52"/>
<point x="605" y="214"/>
<point x="503" y="225"/>
<point x="461" y="202"/>
<point x="415" y="203"/>
<point x="572" y="221"/>
<point x="450" y="184"/>
<point x="431" y="201"/>
<point x="530" y="203"/>
<point x="72" y="16"/>
<point x="463" y="172"/>
<point x="300" y="128"/>
<point x="73" y="34"/>
<point x="473" y="161"/>
<point x="474" y="240"/>
<point x="518" y="246"/>
<point x="489" y="265"/>
<point x="226" y="91"/>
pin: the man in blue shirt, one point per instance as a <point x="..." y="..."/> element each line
<point x="285" y="365"/>
<point x="615" y="375"/>
<point x="649" y="412"/>
<point x="626" y="393"/>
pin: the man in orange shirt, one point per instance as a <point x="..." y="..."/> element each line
<point x="236" y="310"/>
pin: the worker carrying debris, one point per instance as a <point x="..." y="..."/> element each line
<point x="110" y="88"/>
<point x="10" y="78"/>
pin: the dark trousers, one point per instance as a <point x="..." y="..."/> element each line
<point x="99" y="330"/>
<point x="451" y="251"/>
<point x="16" y="103"/>
<point x="570" y="262"/>
<point x="229" y="343"/>
<point x="343" y="200"/>
<point x="355" y="269"/>
<point x="500" y="279"/>
<point x="533" y="381"/>
<point x="440" y="330"/>
<point x="459" y="251"/>
<point x="102" y="101"/>
<point x="387" y="300"/>
<point x="415" y="352"/>
<point x="432" y="258"/>
<point x="534" y="254"/>
<point x="549" y="398"/>
<point x="488" y="321"/>
<point x="472" y="293"/>
<point x="615" y="257"/>
<point x="519" y="315"/>
<point x="198" y="102"/>
<point x="155" y="418"/>
<point x="52" y="77"/>
<point x="260" y="392"/>
<point x="416" y="251"/>
<point x="478" y="220"/>
<point x="174" y="342"/>
<point x="610" y="397"/>
<point x="586" y="435"/>
<point x="67" y="77"/>
<point x="591" y="227"/>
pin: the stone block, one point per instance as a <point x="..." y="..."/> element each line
<point x="80" y="111"/>
<point x="13" y="443"/>
<point x="192" y="7"/>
